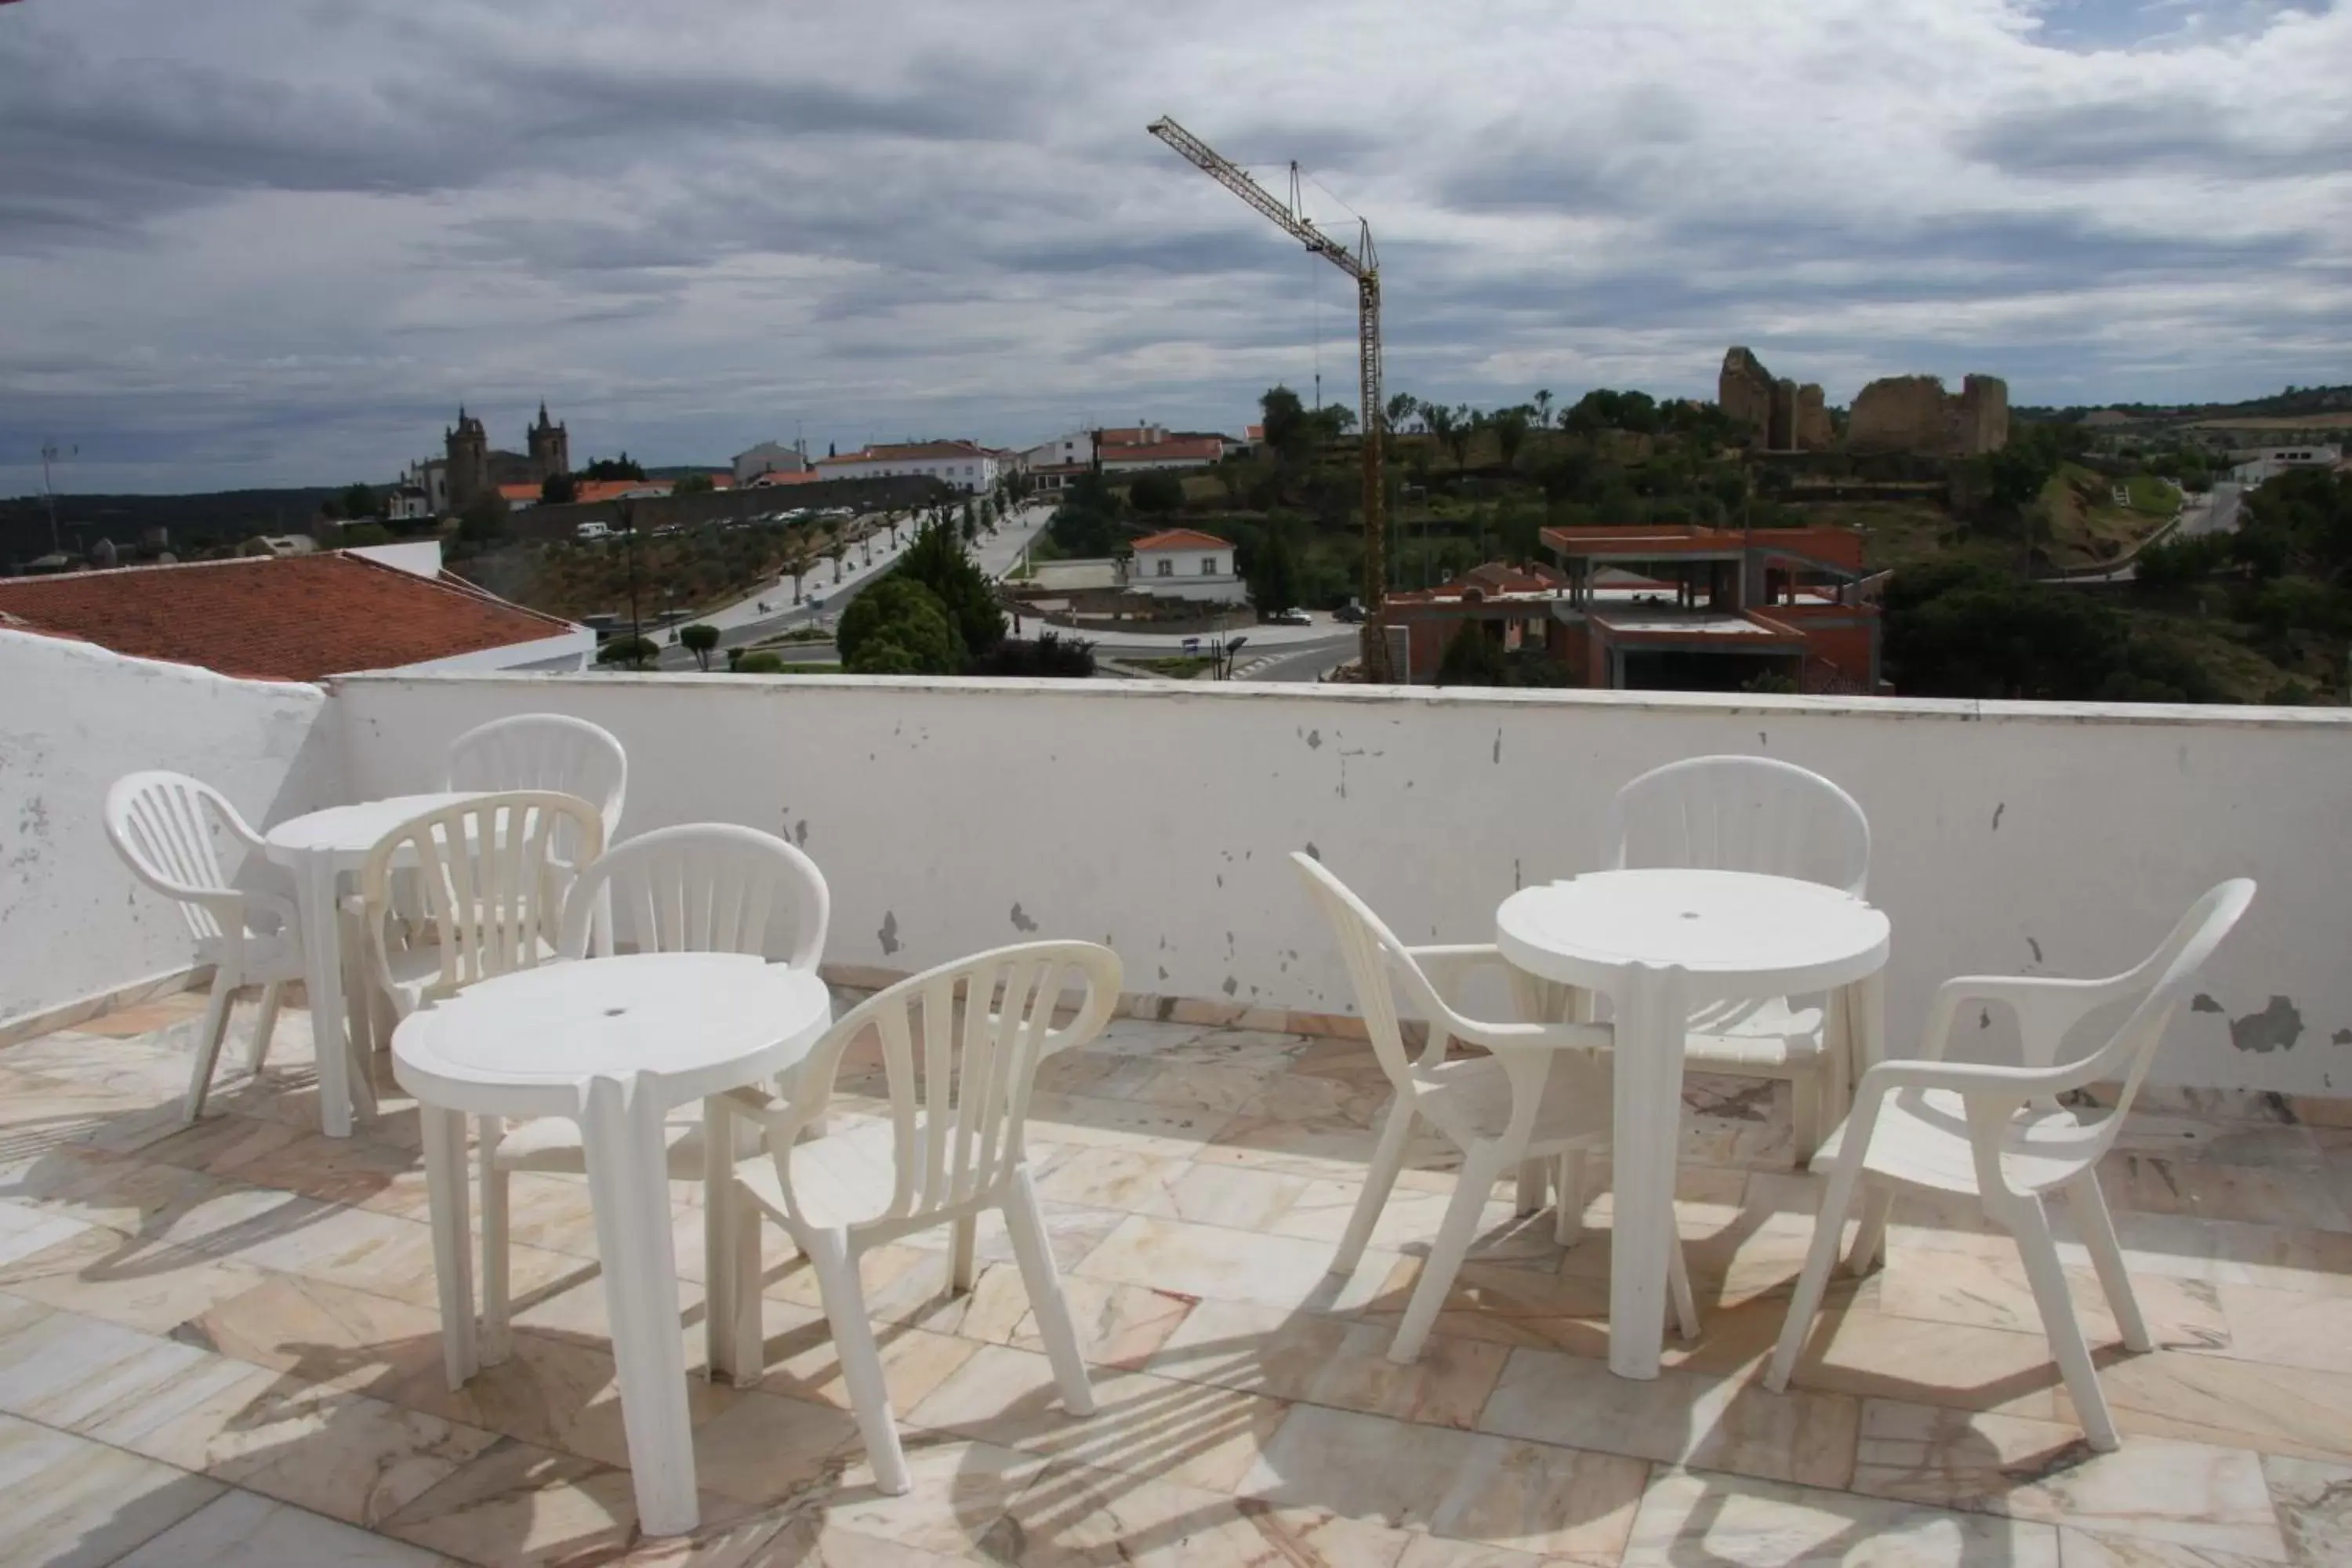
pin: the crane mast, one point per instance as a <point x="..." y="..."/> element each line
<point x="1363" y="264"/>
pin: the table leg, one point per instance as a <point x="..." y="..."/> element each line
<point x="453" y="1237"/>
<point x="1652" y="1015"/>
<point x="720" y="1290"/>
<point x="1866" y="1017"/>
<point x="628" y="1183"/>
<point x="322" y="961"/>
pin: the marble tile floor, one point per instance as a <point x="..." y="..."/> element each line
<point x="219" y="1345"/>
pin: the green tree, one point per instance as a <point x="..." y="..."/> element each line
<point x="1402" y="407"/>
<point x="939" y="561"/>
<point x="1086" y="524"/>
<point x="693" y="485"/>
<point x="1289" y="433"/>
<point x="359" y="501"/>
<point x="699" y="639"/>
<point x="902" y="616"/>
<point x="558" y="489"/>
<point x="1543" y="408"/>
<point x="484" y="519"/>
<point x="635" y="653"/>
<point x="1510" y="434"/>
<point x="621" y="468"/>
<point x="1159" y="493"/>
<point x="1273" y="572"/>
<point x="1438" y="421"/>
<point x="1472" y="658"/>
<point x="353" y="535"/>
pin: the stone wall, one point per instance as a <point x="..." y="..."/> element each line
<point x="1914" y="414"/>
<point x="1744" y="389"/>
<point x="1772" y="414"/>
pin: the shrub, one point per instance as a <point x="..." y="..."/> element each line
<point x="905" y="615"/>
<point x="1050" y="655"/>
<point x="634" y="652"/>
<point x="761" y="663"/>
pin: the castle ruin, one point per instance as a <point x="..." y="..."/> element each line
<point x="1914" y="414"/>
<point x="1774" y="415"/>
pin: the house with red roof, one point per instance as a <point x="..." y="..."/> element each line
<point x="297" y="617"/>
<point x="1185" y="564"/>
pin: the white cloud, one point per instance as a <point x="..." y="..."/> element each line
<point x="249" y="243"/>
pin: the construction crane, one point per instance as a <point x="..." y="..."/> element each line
<point x="1363" y="264"/>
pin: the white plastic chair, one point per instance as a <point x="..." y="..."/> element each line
<point x="700" y="887"/>
<point x="1753" y="814"/>
<point x="162" y="824"/>
<point x="545" y="752"/>
<point x="1542" y="1093"/>
<point x="961" y="1045"/>
<point x="1999" y="1135"/>
<point x="481" y="892"/>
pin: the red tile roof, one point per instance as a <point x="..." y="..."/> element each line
<point x="526" y="493"/>
<point x="302" y="617"/>
<point x="908" y="452"/>
<point x="613" y="489"/>
<point x="1183" y="539"/>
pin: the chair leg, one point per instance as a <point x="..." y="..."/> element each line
<point x="264" y="1026"/>
<point x="1481" y="1165"/>
<point x="861" y="1362"/>
<point x="1806" y="1093"/>
<point x="2030" y="1223"/>
<point x="963" y="1253"/>
<point x="1869" y="1250"/>
<point x="1387" y="1158"/>
<point x="1820" y="1256"/>
<point x="1034" y="1251"/>
<point x="209" y="1036"/>
<point x="1532" y="1175"/>
<point x="2089" y="1205"/>
<point x="496" y="1309"/>
<point x="1567" y="1213"/>
<point x="1685" y="1299"/>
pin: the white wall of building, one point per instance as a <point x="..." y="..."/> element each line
<point x="417" y="557"/>
<point x="1077" y="446"/>
<point x="1204" y="574"/>
<point x="971" y="472"/>
<point x="950" y="816"/>
<point x="572" y="650"/>
<point x="73" y="923"/>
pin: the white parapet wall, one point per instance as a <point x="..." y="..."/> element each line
<point x="74" y="718"/>
<point x="950" y="816"/>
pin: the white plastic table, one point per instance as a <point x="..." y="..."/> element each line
<point x="615" y="1044"/>
<point x="319" y="849"/>
<point x="1659" y="943"/>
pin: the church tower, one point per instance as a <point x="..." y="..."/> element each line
<point x="550" y="448"/>
<point x="468" y="447"/>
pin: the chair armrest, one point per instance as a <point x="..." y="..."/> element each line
<point x="2045" y="1006"/>
<point x="1535" y="1037"/>
<point x="270" y="904"/>
<point x="1447" y="962"/>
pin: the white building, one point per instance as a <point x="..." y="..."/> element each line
<point x="965" y="465"/>
<point x="768" y="457"/>
<point x="1184" y="564"/>
<point x="2268" y="462"/>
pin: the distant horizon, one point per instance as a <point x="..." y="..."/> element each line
<point x="250" y="246"/>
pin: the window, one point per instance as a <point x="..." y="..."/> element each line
<point x="1167" y="568"/>
<point x="1208" y="566"/>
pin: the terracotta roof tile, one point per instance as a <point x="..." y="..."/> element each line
<point x="1183" y="539"/>
<point x="303" y="617"/>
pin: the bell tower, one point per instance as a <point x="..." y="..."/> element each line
<point x="468" y="447"/>
<point x="550" y="448"/>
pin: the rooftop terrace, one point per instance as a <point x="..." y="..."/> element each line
<point x="222" y="1342"/>
<point x="219" y="1345"/>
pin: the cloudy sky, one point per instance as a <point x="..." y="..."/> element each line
<point x="278" y="241"/>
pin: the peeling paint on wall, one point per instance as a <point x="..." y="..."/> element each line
<point x="2036" y="947"/>
<point x="2276" y="1028"/>
<point x="1996" y="815"/>
<point x="2201" y="1002"/>
<point x="1498" y="746"/>
<point x="1021" y="922"/>
<point x="888" y="934"/>
<point x="1314" y="740"/>
<point x="2340" y="1038"/>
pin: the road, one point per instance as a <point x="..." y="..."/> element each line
<point x="744" y="621"/>
<point x="1293" y="654"/>
<point x="2216" y="511"/>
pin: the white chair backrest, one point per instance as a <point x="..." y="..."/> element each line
<point x="961" y="1045"/>
<point x="1740" y="813"/>
<point x="704" y="887"/>
<point x="162" y="824"/>
<point x="1377" y="960"/>
<point x="545" y="752"/>
<point x="489" y="886"/>
<point x="2160" y="981"/>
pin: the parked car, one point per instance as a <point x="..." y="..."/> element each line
<point x="1350" y="612"/>
<point x="593" y="531"/>
<point x="1292" y="618"/>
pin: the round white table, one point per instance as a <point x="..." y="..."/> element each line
<point x="319" y="848"/>
<point x="1658" y="943"/>
<point x="615" y="1044"/>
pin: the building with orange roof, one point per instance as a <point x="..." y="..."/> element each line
<point x="301" y="617"/>
<point x="1185" y="564"/>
